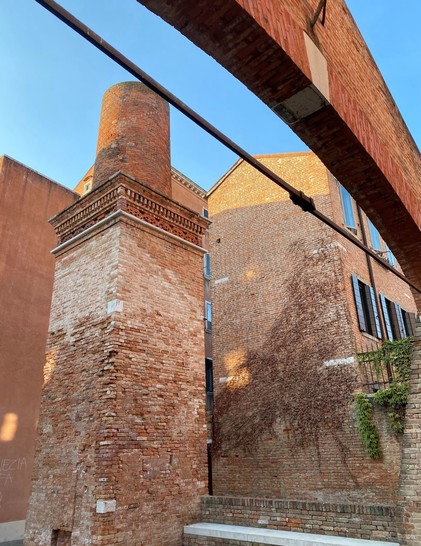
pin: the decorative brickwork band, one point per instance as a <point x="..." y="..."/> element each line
<point x="363" y="521"/>
<point x="124" y="193"/>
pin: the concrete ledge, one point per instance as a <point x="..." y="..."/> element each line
<point x="276" y="538"/>
<point x="11" y="531"/>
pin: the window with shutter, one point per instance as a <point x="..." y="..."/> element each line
<point x="390" y="257"/>
<point x="391" y="309"/>
<point x="386" y="317"/>
<point x="358" y="303"/>
<point x="409" y="321"/>
<point x="375" y="313"/>
<point x="375" y="237"/>
<point x="367" y="312"/>
<point x="208" y="316"/>
<point x="206" y="265"/>
<point x="348" y="209"/>
<point x="401" y="324"/>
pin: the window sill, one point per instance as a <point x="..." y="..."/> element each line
<point x="371" y="337"/>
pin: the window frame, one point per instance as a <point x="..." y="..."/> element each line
<point x="206" y="266"/>
<point x="374" y="236"/>
<point x="347" y="209"/>
<point x="399" y="322"/>
<point x="208" y="316"/>
<point x="390" y="257"/>
<point x="366" y="307"/>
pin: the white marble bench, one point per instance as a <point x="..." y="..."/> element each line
<point x="277" y="538"/>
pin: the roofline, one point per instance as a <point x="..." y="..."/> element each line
<point x="188" y="183"/>
<point x="257" y="156"/>
<point x="224" y="176"/>
<point x="38" y="173"/>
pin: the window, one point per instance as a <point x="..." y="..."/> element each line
<point x="365" y="302"/>
<point x="205" y="213"/>
<point x="209" y="374"/>
<point x="375" y="237"/>
<point x="209" y="384"/>
<point x="348" y="209"/>
<point x="399" y="323"/>
<point x="208" y="316"/>
<point x="409" y="322"/>
<point x="390" y="257"/>
<point x="206" y="265"/>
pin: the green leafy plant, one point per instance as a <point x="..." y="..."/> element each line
<point x="366" y="427"/>
<point x="396" y="356"/>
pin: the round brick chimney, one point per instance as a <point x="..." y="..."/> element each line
<point x="134" y="136"/>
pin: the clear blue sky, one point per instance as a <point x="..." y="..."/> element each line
<point x="52" y="82"/>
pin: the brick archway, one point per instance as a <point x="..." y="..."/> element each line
<point x="323" y="81"/>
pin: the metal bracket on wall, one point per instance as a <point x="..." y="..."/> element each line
<point x="320" y="8"/>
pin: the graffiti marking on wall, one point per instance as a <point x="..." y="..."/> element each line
<point x="9" y="468"/>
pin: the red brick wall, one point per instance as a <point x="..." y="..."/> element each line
<point x="261" y="245"/>
<point x="409" y="492"/>
<point x="27" y="201"/>
<point x="134" y="136"/>
<point x="355" y="262"/>
<point x="359" y="135"/>
<point x="123" y="404"/>
<point x="369" y="522"/>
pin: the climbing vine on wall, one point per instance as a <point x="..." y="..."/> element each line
<point x="366" y="427"/>
<point x="396" y="356"/>
<point x="285" y="380"/>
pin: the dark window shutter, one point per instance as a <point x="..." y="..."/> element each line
<point x="408" y="321"/>
<point x="393" y="319"/>
<point x="358" y="304"/>
<point x="386" y="318"/>
<point x="412" y="321"/>
<point x="376" y="313"/>
<point x="401" y="323"/>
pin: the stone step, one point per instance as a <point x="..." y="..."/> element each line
<point x="274" y="537"/>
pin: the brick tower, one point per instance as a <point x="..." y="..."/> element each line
<point x="121" y="455"/>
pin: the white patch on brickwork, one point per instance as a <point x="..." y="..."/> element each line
<point x="340" y="361"/>
<point x="114" y="306"/>
<point x="103" y="506"/>
<point x="223" y="380"/>
<point x="222" y="280"/>
<point x="318" y="66"/>
<point x="336" y="244"/>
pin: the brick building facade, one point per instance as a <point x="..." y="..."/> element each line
<point x="27" y="200"/>
<point x="121" y="451"/>
<point x="322" y="80"/>
<point x="129" y="284"/>
<point x="293" y="304"/>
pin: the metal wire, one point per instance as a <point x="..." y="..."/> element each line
<point x="297" y="197"/>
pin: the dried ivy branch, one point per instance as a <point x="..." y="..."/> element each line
<point x="287" y="380"/>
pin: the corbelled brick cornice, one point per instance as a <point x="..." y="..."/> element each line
<point x="123" y="193"/>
